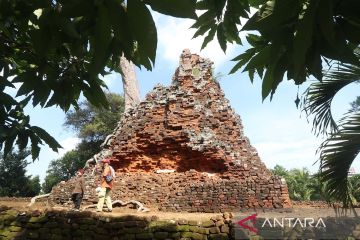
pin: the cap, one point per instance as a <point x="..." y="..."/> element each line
<point x="105" y="160"/>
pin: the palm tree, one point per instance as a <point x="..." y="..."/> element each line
<point x="339" y="150"/>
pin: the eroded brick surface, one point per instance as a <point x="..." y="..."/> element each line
<point x="190" y="128"/>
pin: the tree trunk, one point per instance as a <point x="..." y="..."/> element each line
<point x="130" y="83"/>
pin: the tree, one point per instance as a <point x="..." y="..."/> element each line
<point x="340" y="149"/>
<point x="355" y="105"/>
<point x="92" y="126"/>
<point x="55" y="51"/>
<point x="294" y="39"/>
<point x="298" y="182"/>
<point x="33" y="186"/>
<point x="13" y="181"/>
<point x="301" y="184"/>
<point x="130" y="83"/>
<point x="280" y="171"/>
<point x="63" y="169"/>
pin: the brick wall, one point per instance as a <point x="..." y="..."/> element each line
<point x="190" y="128"/>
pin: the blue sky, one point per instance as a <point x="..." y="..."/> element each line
<point x="277" y="129"/>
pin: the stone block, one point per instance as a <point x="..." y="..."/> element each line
<point x="208" y="224"/>
<point x="144" y="236"/>
<point x="214" y="230"/>
<point x="218" y="236"/>
<point x="161" y="235"/>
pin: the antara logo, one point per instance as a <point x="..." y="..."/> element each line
<point x="281" y="222"/>
<point x="252" y="218"/>
<point x="292" y="222"/>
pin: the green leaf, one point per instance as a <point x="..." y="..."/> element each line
<point x="7" y="99"/>
<point x="204" y="28"/>
<point x="208" y="38"/>
<point x="175" y="8"/>
<point x="143" y="28"/>
<point x="325" y="18"/>
<point x="256" y="3"/>
<point x="254" y="40"/>
<point x="41" y="40"/>
<point x="102" y="41"/>
<point x="251" y="75"/>
<point x="22" y="140"/>
<point x="314" y="64"/>
<point x="48" y="139"/>
<point x="303" y="39"/>
<point x="243" y="59"/>
<point x="77" y="8"/>
<point x="120" y="24"/>
<point x="219" y="8"/>
<point x="221" y="36"/>
<point x="337" y="155"/>
<point x="205" y="18"/>
<point x="10" y="138"/>
<point x="260" y="59"/>
<point x="274" y="73"/>
<point x="35" y="149"/>
<point x="69" y="28"/>
<point x="231" y="31"/>
<point x="351" y="30"/>
<point x="204" y="5"/>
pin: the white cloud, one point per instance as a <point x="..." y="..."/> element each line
<point x="282" y="137"/>
<point x="175" y="35"/>
<point x="111" y="79"/>
<point x="67" y="144"/>
<point x="40" y="166"/>
<point x="289" y="153"/>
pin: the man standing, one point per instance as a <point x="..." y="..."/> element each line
<point x="106" y="184"/>
<point x="79" y="189"/>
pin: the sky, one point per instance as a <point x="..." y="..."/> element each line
<point x="277" y="129"/>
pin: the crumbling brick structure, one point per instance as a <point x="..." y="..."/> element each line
<point x="183" y="149"/>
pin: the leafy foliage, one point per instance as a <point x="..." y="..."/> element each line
<point x="55" y="51"/>
<point x="355" y="105"/>
<point x="13" y="181"/>
<point x="301" y="184"/>
<point x="294" y="38"/>
<point x="304" y="186"/>
<point x="92" y="126"/>
<point x="338" y="152"/>
<point x="63" y="168"/>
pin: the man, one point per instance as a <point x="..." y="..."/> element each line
<point x="106" y="184"/>
<point x="79" y="189"/>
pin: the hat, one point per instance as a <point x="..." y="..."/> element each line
<point x="105" y="160"/>
<point x="80" y="171"/>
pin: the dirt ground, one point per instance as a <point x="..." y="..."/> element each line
<point x="298" y="211"/>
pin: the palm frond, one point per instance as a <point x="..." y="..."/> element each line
<point x="318" y="97"/>
<point x="337" y="154"/>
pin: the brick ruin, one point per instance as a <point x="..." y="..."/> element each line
<point x="183" y="149"/>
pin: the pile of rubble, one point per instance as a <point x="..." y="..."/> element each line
<point x="183" y="149"/>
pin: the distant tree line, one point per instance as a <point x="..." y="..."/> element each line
<point x="303" y="185"/>
<point x="92" y="125"/>
<point x="13" y="179"/>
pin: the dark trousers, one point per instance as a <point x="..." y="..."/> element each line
<point x="77" y="198"/>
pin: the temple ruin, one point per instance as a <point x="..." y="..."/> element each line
<point x="183" y="149"/>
